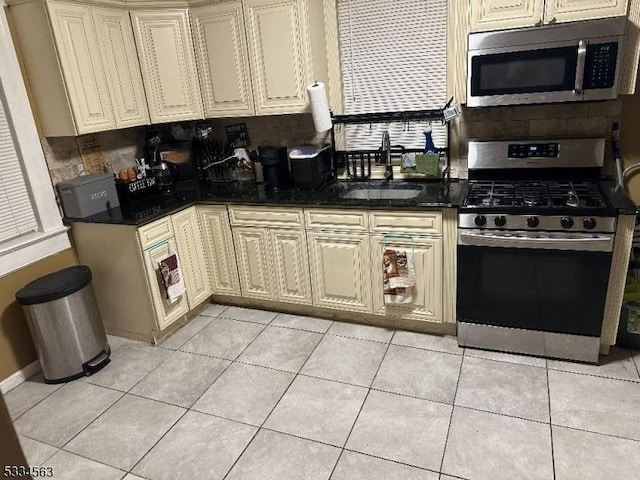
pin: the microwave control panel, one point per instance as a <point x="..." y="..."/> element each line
<point x="600" y="65"/>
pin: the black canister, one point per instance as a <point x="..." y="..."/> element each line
<point x="275" y="165"/>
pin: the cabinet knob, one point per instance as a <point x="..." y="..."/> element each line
<point x="537" y="21"/>
<point x="552" y="20"/>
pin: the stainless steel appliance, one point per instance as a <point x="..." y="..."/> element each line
<point x="535" y="242"/>
<point x="554" y="63"/>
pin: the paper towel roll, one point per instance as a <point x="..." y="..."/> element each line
<point x="319" y="106"/>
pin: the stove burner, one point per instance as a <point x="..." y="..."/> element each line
<point x="523" y="194"/>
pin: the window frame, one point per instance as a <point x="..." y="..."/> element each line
<point x="52" y="236"/>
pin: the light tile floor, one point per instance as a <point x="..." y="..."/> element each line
<point x="245" y="394"/>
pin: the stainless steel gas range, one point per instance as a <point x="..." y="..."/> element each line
<point x="535" y="243"/>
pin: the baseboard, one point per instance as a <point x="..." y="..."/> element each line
<point x="20" y="376"/>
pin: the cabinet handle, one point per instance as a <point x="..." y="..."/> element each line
<point x="538" y="21"/>
<point x="553" y="20"/>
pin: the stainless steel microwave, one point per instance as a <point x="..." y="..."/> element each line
<point x="568" y="62"/>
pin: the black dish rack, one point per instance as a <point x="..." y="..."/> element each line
<point x="357" y="163"/>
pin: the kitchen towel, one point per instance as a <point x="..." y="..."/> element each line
<point x="172" y="277"/>
<point x="319" y="107"/>
<point x="398" y="275"/>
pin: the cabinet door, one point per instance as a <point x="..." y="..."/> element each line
<point x="427" y="292"/>
<point x="192" y="256"/>
<point x="291" y="266"/>
<point x="254" y="265"/>
<point x="163" y="40"/>
<point x="279" y="52"/>
<point x="223" y="270"/>
<point x="574" y="10"/>
<point x="223" y="59"/>
<point x="166" y="313"/>
<point x="499" y="14"/>
<point x="118" y="49"/>
<point x="340" y="277"/>
<point x="84" y="73"/>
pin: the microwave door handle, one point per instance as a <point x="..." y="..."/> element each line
<point x="582" y="57"/>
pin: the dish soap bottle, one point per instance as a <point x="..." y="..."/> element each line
<point x="429" y="147"/>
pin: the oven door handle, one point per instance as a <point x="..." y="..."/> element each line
<point x="576" y="242"/>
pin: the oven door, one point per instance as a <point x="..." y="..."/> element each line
<point x="551" y="282"/>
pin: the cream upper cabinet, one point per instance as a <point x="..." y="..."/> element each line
<point x="340" y="273"/>
<point x="81" y="62"/>
<point x="118" y="50"/>
<point x="427" y="292"/>
<point x="223" y="270"/>
<point x="280" y="54"/>
<point x="503" y="14"/>
<point x="223" y="59"/>
<point x="290" y="266"/>
<point x="166" y="312"/>
<point x="573" y="10"/>
<point x="82" y="66"/>
<point x="254" y="262"/>
<point x="167" y="59"/>
<point x="193" y="261"/>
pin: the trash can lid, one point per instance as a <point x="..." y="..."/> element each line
<point x="55" y="285"/>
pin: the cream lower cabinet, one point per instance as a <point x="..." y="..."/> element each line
<point x="193" y="260"/>
<point x="340" y="270"/>
<point x="271" y="252"/>
<point x="254" y="262"/>
<point x="167" y="60"/>
<point x="166" y="312"/>
<point x="220" y="252"/>
<point x="427" y="292"/>
<point x="290" y="260"/>
<point x="126" y="277"/>
<point x="503" y="14"/>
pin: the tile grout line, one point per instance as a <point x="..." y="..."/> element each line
<point x="261" y="427"/>
<point x="455" y="394"/>
<point x="553" y="458"/>
<point x="355" y="420"/>
<point x="211" y="319"/>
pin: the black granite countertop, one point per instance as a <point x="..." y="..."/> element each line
<point x="374" y="194"/>
<point x="618" y="197"/>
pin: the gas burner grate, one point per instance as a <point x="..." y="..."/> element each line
<point x="523" y="194"/>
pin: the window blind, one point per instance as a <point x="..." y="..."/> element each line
<point x="394" y="57"/>
<point x="16" y="209"/>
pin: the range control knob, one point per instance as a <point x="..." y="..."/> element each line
<point x="533" y="222"/>
<point x="500" y="221"/>
<point x="566" y="222"/>
<point x="589" y="223"/>
<point x="480" y="220"/>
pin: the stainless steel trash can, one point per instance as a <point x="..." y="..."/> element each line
<point x="65" y="324"/>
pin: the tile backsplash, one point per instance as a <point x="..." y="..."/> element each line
<point x="575" y="120"/>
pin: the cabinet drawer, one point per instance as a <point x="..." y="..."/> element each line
<point x="351" y="220"/>
<point x="266" y="216"/>
<point x="427" y="223"/>
<point x="155" y="232"/>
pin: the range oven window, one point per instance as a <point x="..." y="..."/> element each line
<point x="559" y="291"/>
<point x="544" y="70"/>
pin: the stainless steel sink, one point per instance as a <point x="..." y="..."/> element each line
<point x="382" y="193"/>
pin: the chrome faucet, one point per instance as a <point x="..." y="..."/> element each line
<point x="386" y="153"/>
